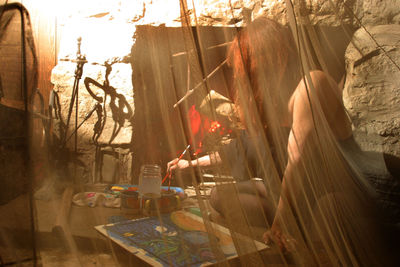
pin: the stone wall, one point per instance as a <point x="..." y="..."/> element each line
<point x="372" y="89"/>
<point x="107" y="29"/>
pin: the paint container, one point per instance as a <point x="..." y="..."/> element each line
<point x="130" y="202"/>
<point x="168" y="202"/>
<point x="150" y="180"/>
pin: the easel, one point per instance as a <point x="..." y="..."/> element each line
<point x="61" y="227"/>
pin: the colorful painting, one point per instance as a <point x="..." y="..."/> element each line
<point x="177" y="239"/>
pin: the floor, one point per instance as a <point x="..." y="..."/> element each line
<point x="86" y="248"/>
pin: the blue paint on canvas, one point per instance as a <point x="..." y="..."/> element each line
<point x="166" y="242"/>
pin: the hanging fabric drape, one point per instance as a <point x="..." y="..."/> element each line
<point x="244" y="126"/>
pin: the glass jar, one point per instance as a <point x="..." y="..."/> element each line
<point x="150" y="181"/>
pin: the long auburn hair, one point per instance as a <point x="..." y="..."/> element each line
<point x="265" y="64"/>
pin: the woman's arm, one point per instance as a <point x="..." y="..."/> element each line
<point x="304" y="104"/>
<point x="302" y="126"/>
<point x="207" y="160"/>
<point x="301" y="135"/>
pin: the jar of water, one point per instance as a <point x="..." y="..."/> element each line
<point x="150" y="181"/>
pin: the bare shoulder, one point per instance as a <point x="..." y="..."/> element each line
<point x="317" y="90"/>
<point x="325" y="96"/>
<point x="321" y="82"/>
<point x="318" y="85"/>
<point x="318" y="75"/>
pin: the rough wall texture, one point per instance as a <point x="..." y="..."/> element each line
<point x="107" y="29"/>
<point x="377" y="12"/>
<point x="372" y="89"/>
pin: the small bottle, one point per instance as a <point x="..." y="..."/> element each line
<point x="150" y="181"/>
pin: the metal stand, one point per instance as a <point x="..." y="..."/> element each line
<point x="80" y="60"/>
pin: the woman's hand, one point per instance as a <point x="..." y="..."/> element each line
<point x="177" y="164"/>
<point x="275" y="235"/>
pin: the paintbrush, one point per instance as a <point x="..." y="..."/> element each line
<point x="169" y="173"/>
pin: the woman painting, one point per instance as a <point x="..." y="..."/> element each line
<point x="310" y="187"/>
